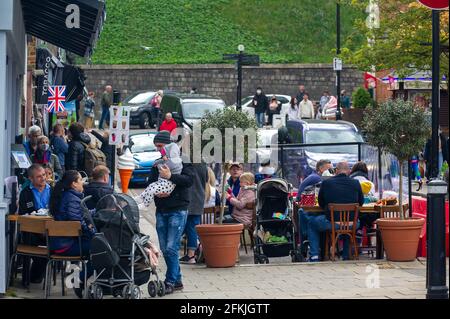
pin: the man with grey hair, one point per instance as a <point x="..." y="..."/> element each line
<point x="107" y="100"/>
<point x="340" y="189"/>
<point x="33" y="134"/>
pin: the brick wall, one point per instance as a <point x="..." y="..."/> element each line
<point x="220" y="79"/>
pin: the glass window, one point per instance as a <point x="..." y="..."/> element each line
<point x="139" y="98"/>
<point x="142" y="143"/>
<point x="196" y="110"/>
<point x="333" y="136"/>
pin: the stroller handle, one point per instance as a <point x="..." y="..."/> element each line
<point x="84" y="200"/>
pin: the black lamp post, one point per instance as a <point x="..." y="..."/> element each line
<point x="241" y="49"/>
<point x="338" y="51"/>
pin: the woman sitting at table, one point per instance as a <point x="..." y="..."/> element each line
<point x="65" y="205"/>
<point x="361" y="173"/>
<point x="241" y="214"/>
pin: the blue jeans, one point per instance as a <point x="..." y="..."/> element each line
<point x="104" y="117"/>
<point x="75" y="251"/>
<point x="170" y="227"/>
<point x="191" y="232"/>
<point x="260" y="119"/>
<point x="318" y="225"/>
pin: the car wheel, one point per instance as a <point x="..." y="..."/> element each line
<point x="145" y="121"/>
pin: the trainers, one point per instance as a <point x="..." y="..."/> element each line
<point x="170" y="288"/>
<point x="313" y="259"/>
<point x="187" y="260"/>
<point x="178" y="286"/>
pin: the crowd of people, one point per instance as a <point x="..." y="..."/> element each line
<point x="301" y="106"/>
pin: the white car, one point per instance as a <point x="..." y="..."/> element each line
<point x="284" y="99"/>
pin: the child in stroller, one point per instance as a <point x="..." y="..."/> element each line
<point x="122" y="258"/>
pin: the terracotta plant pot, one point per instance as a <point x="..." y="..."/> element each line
<point x="400" y="237"/>
<point x="220" y="243"/>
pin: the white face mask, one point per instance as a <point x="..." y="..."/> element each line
<point x="258" y="92"/>
<point x="45" y="147"/>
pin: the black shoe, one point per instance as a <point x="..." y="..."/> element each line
<point x="78" y="292"/>
<point x="178" y="286"/>
<point x="187" y="260"/>
<point x="170" y="288"/>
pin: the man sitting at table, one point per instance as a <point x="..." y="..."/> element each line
<point x="32" y="198"/>
<point x="99" y="186"/>
<point x="340" y="189"/>
<point x="313" y="179"/>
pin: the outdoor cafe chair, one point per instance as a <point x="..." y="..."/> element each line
<point x="63" y="229"/>
<point x="28" y="226"/>
<point x="249" y="229"/>
<point x="346" y="226"/>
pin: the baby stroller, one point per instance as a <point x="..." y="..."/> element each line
<point x="275" y="235"/>
<point x="117" y="249"/>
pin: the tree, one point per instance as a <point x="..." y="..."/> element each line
<point x="361" y="98"/>
<point x="402" y="42"/>
<point x="222" y="122"/>
<point x="400" y="128"/>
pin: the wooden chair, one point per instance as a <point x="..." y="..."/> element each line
<point x="63" y="229"/>
<point x="28" y="225"/>
<point x="387" y="211"/>
<point x="250" y="229"/>
<point x="210" y="214"/>
<point x="345" y="226"/>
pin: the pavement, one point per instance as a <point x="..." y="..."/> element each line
<point x="281" y="279"/>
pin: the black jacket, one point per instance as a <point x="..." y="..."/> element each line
<point x="26" y="201"/>
<point x="180" y="198"/>
<point x="444" y="146"/>
<point x="75" y="156"/>
<point x="262" y="103"/>
<point x="198" y="189"/>
<point x="107" y="149"/>
<point x="97" y="190"/>
<point x="340" y="189"/>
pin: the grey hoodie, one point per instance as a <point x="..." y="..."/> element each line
<point x="174" y="161"/>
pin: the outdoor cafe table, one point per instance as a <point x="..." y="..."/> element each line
<point x="365" y="209"/>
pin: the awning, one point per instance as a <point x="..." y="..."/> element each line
<point x="418" y="76"/>
<point x="46" y="20"/>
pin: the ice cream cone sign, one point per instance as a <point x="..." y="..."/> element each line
<point x="126" y="167"/>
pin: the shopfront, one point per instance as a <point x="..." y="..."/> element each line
<point x="46" y="20"/>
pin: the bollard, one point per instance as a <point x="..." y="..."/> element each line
<point x="436" y="259"/>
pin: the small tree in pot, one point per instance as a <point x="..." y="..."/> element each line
<point x="220" y="242"/>
<point x="400" y="128"/>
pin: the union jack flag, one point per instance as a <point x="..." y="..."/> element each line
<point x="56" y="99"/>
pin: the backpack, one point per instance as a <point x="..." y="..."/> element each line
<point x="92" y="157"/>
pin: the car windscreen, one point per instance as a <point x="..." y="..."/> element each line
<point x="142" y="143"/>
<point x="321" y="136"/>
<point x="267" y="137"/>
<point x="139" y="98"/>
<point x="196" y="110"/>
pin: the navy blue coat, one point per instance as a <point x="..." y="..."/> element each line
<point x="340" y="189"/>
<point x="70" y="210"/>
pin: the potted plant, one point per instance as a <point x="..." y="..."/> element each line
<point x="361" y="100"/>
<point x="220" y="242"/>
<point x="402" y="129"/>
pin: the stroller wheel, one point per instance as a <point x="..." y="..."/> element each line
<point x="161" y="288"/>
<point x="95" y="292"/>
<point x="152" y="288"/>
<point x="135" y="292"/>
<point x="256" y="259"/>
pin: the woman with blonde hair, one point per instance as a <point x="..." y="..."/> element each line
<point x="242" y="214"/>
<point x="212" y="196"/>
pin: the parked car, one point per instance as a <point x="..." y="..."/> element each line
<point x="284" y="99"/>
<point x="140" y="108"/>
<point x="302" y="160"/>
<point x="144" y="154"/>
<point x="186" y="109"/>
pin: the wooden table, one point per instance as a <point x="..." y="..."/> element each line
<point x="365" y="209"/>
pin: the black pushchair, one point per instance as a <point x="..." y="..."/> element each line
<point x="118" y="249"/>
<point x="275" y="232"/>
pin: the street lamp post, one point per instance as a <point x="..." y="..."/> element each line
<point x="241" y="49"/>
<point x="338" y="51"/>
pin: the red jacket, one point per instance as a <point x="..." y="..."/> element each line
<point x="168" y="126"/>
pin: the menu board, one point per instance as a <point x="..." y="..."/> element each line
<point x="119" y="125"/>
